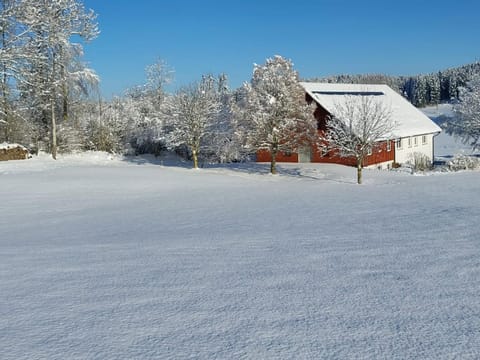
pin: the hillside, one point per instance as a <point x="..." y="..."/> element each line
<point x="421" y="90"/>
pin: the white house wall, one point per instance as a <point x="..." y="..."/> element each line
<point x="406" y="153"/>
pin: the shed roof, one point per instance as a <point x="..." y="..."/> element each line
<point x="409" y="120"/>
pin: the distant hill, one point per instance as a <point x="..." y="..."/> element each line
<point x="421" y="90"/>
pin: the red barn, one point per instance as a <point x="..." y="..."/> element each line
<point x="414" y="132"/>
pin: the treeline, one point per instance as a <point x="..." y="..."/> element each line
<point x="420" y="90"/>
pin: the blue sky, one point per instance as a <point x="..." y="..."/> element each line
<point x="322" y="37"/>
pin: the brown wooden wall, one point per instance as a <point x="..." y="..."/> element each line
<point x="379" y="155"/>
<point x="265" y="156"/>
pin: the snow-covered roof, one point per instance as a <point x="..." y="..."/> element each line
<point x="408" y="119"/>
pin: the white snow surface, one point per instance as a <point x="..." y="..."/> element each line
<point x="7" y="146"/>
<point x="440" y="110"/>
<point x="107" y="258"/>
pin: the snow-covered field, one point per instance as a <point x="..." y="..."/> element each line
<point x="102" y="258"/>
<point x="445" y="145"/>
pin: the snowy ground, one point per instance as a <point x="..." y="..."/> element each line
<point x="436" y="112"/>
<point x="108" y="259"/>
<point x="445" y="145"/>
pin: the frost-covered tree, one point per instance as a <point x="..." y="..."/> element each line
<point x="55" y="24"/>
<point x="222" y="143"/>
<point x="106" y="125"/>
<point x="275" y="116"/>
<point x="359" y="123"/>
<point x="420" y="92"/>
<point x="43" y="82"/>
<point x="466" y="124"/>
<point x="433" y="89"/>
<point x="190" y="117"/>
<point x="7" y="47"/>
<point x="13" y="55"/>
<point x="143" y="105"/>
<point x="159" y="75"/>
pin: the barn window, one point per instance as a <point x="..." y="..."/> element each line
<point x="415" y="141"/>
<point x="409" y="142"/>
<point x="389" y="145"/>
<point x="424" y="139"/>
<point x="399" y="143"/>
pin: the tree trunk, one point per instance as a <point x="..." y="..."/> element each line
<point x="54" y="130"/>
<point x="195" y="159"/>
<point x="5" y="110"/>
<point x="273" y="163"/>
<point x="5" y="100"/>
<point x="359" y="171"/>
<point x="65" y="93"/>
<point x="52" y="109"/>
<point x="65" y="107"/>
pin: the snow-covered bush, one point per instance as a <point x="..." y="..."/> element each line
<point x="70" y="138"/>
<point x="145" y="136"/>
<point x="464" y="162"/>
<point x="102" y="137"/>
<point x="420" y="162"/>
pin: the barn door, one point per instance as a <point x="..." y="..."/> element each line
<point x="305" y="154"/>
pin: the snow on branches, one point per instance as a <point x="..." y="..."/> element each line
<point x="275" y="115"/>
<point x="467" y="124"/>
<point x="190" y="117"/>
<point x="360" y="121"/>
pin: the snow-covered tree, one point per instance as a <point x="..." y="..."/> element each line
<point x="143" y="106"/>
<point x="420" y="92"/>
<point x="433" y="88"/>
<point x="54" y="25"/>
<point x="466" y="124"/>
<point x="159" y="75"/>
<point x="275" y="115"/>
<point x="359" y="123"/>
<point x="190" y="117"/>
<point x="106" y="125"/>
<point x="13" y="55"/>
<point x="222" y="143"/>
<point x="7" y="25"/>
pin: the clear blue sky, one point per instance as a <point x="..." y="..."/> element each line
<point x="322" y="37"/>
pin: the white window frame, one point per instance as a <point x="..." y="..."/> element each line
<point x="399" y="144"/>
<point x="389" y="146"/>
<point x="409" y="141"/>
<point x="424" y="140"/>
<point x="415" y="141"/>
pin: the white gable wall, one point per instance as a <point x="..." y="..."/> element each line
<point x="412" y="145"/>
